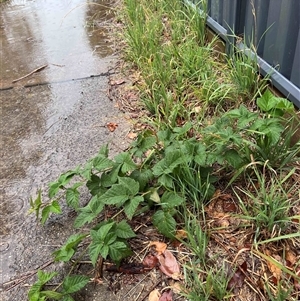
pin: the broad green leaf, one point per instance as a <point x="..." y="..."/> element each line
<point x="55" y="207"/>
<point x="94" y="185"/>
<point x="131" y="185"/>
<point x="171" y="199"/>
<point x="34" y="292"/>
<point x="124" y="159"/>
<point x="267" y="102"/>
<point x="110" y="237"/>
<point x="123" y="230"/>
<point x="143" y="177"/>
<point x="53" y="189"/>
<point x="74" y="283"/>
<point x="63" y="180"/>
<point x="45" y="214"/>
<point x="86" y="171"/>
<point x="165" y="223"/>
<point x="169" y="163"/>
<point x="100" y="234"/>
<point x="116" y="195"/>
<point x="94" y="251"/>
<point x="72" y="196"/>
<point x="44" y="277"/>
<point x="52" y="294"/>
<point x="166" y="181"/>
<point x="102" y="163"/>
<point x="89" y="212"/>
<point x="233" y="158"/>
<point x="66" y="252"/>
<point x="131" y="206"/>
<point x="118" y="251"/>
<point x="111" y="177"/>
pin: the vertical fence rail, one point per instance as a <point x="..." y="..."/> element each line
<point x="272" y="27"/>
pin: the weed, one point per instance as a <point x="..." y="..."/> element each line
<point x="267" y="204"/>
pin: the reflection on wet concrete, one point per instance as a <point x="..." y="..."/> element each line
<point x="47" y="129"/>
<point x="67" y="36"/>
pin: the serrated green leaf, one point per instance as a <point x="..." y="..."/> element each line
<point x="110" y="237"/>
<point x="169" y="163"/>
<point x="165" y="223"/>
<point x="117" y="194"/>
<point x="94" y="185"/>
<point x="55" y="207"/>
<point x="45" y="214"/>
<point x="130" y="185"/>
<point x="72" y="196"/>
<point x="34" y="292"/>
<point x="233" y="158"/>
<point x="111" y="177"/>
<point x="118" y="251"/>
<point x="74" y="283"/>
<point x="94" y="251"/>
<point x="89" y="212"/>
<point x="123" y="230"/>
<point x="267" y="102"/>
<point x="124" y="159"/>
<point x="44" y="277"/>
<point x="52" y="294"/>
<point x="53" y="189"/>
<point x="101" y="162"/>
<point x="86" y="171"/>
<point x="131" y="206"/>
<point x="166" y="181"/>
<point x="143" y="177"/>
<point x="171" y="199"/>
<point x="100" y="234"/>
<point x="66" y="252"/>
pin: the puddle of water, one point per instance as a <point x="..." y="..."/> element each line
<point x="67" y="36"/>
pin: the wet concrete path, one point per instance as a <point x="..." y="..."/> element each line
<point x="51" y="121"/>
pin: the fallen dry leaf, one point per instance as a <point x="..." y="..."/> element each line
<point x="290" y="258"/>
<point x="177" y="287"/>
<point x="150" y="261"/>
<point x="274" y="269"/>
<point x="181" y="234"/>
<point x="160" y="247"/>
<point x="112" y="126"/>
<point x="117" y="82"/>
<point x="296" y="281"/>
<point x="154" y="295"/>
<point x="132" y="135"/>
<point x="169" y="265"/>
<point x="166" y="296"/>
<point x="237" y="279"/>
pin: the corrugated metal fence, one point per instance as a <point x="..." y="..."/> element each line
<point x="273" y="27"/>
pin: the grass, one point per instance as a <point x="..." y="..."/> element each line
<point x="214" y="169"/>
<point x="184" y="80"/>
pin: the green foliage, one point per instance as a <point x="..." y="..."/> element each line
<point x="109" y="238"/>
<point x="276" y="106"/>
<point x="70" y="285"/>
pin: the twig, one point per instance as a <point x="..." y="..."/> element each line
<point x="35" y="70"/>
<point x="25" y="276"/>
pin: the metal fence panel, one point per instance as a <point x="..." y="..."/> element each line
<point x="272" y="26"/>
